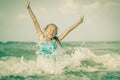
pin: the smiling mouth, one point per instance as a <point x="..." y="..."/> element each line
<point x="50" y="35"/>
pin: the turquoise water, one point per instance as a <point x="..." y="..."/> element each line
<point x="77" y="61"/>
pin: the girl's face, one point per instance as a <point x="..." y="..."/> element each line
<point x="51" y="31"/>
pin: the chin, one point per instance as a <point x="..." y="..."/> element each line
<point x="50" y="37"/>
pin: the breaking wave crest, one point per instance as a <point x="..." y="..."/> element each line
<point x="60" y="62"/>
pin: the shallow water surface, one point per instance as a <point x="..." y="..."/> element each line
<point x="77" y="61"/>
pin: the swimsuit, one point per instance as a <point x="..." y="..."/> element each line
<point x="46" y="47"/>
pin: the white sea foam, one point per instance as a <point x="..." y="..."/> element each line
<point x="59" y="62"/>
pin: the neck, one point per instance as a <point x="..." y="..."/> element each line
<point x="48" y="39"/>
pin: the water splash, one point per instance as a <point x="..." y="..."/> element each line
<point x="60" y="62"/>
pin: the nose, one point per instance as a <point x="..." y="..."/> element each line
<point x="50" y="32"/>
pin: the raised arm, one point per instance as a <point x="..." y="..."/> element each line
<point x="62" y="35"/>
<point x="36" y="24"/>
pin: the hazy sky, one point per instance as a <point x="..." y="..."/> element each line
<point x="102" y="19"/>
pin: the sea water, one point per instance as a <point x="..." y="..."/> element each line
<point x="76" y="61"/>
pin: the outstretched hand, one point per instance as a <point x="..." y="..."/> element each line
<point x="27" y="4"/>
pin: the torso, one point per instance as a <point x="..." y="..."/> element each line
<point x="45" y="47"/>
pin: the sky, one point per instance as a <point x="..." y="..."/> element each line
<point x="101" y="19"/>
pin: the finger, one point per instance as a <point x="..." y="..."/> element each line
<point x="28" y="2"/>
<point x="82" y="15"/>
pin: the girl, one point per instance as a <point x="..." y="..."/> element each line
<point x="47" y="38"/>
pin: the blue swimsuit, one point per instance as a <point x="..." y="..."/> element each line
<point x="46" y="47"/>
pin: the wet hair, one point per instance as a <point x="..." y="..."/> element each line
<point x="58" y="41"/>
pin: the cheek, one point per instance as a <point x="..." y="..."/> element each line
<point x="46" y="31"/>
